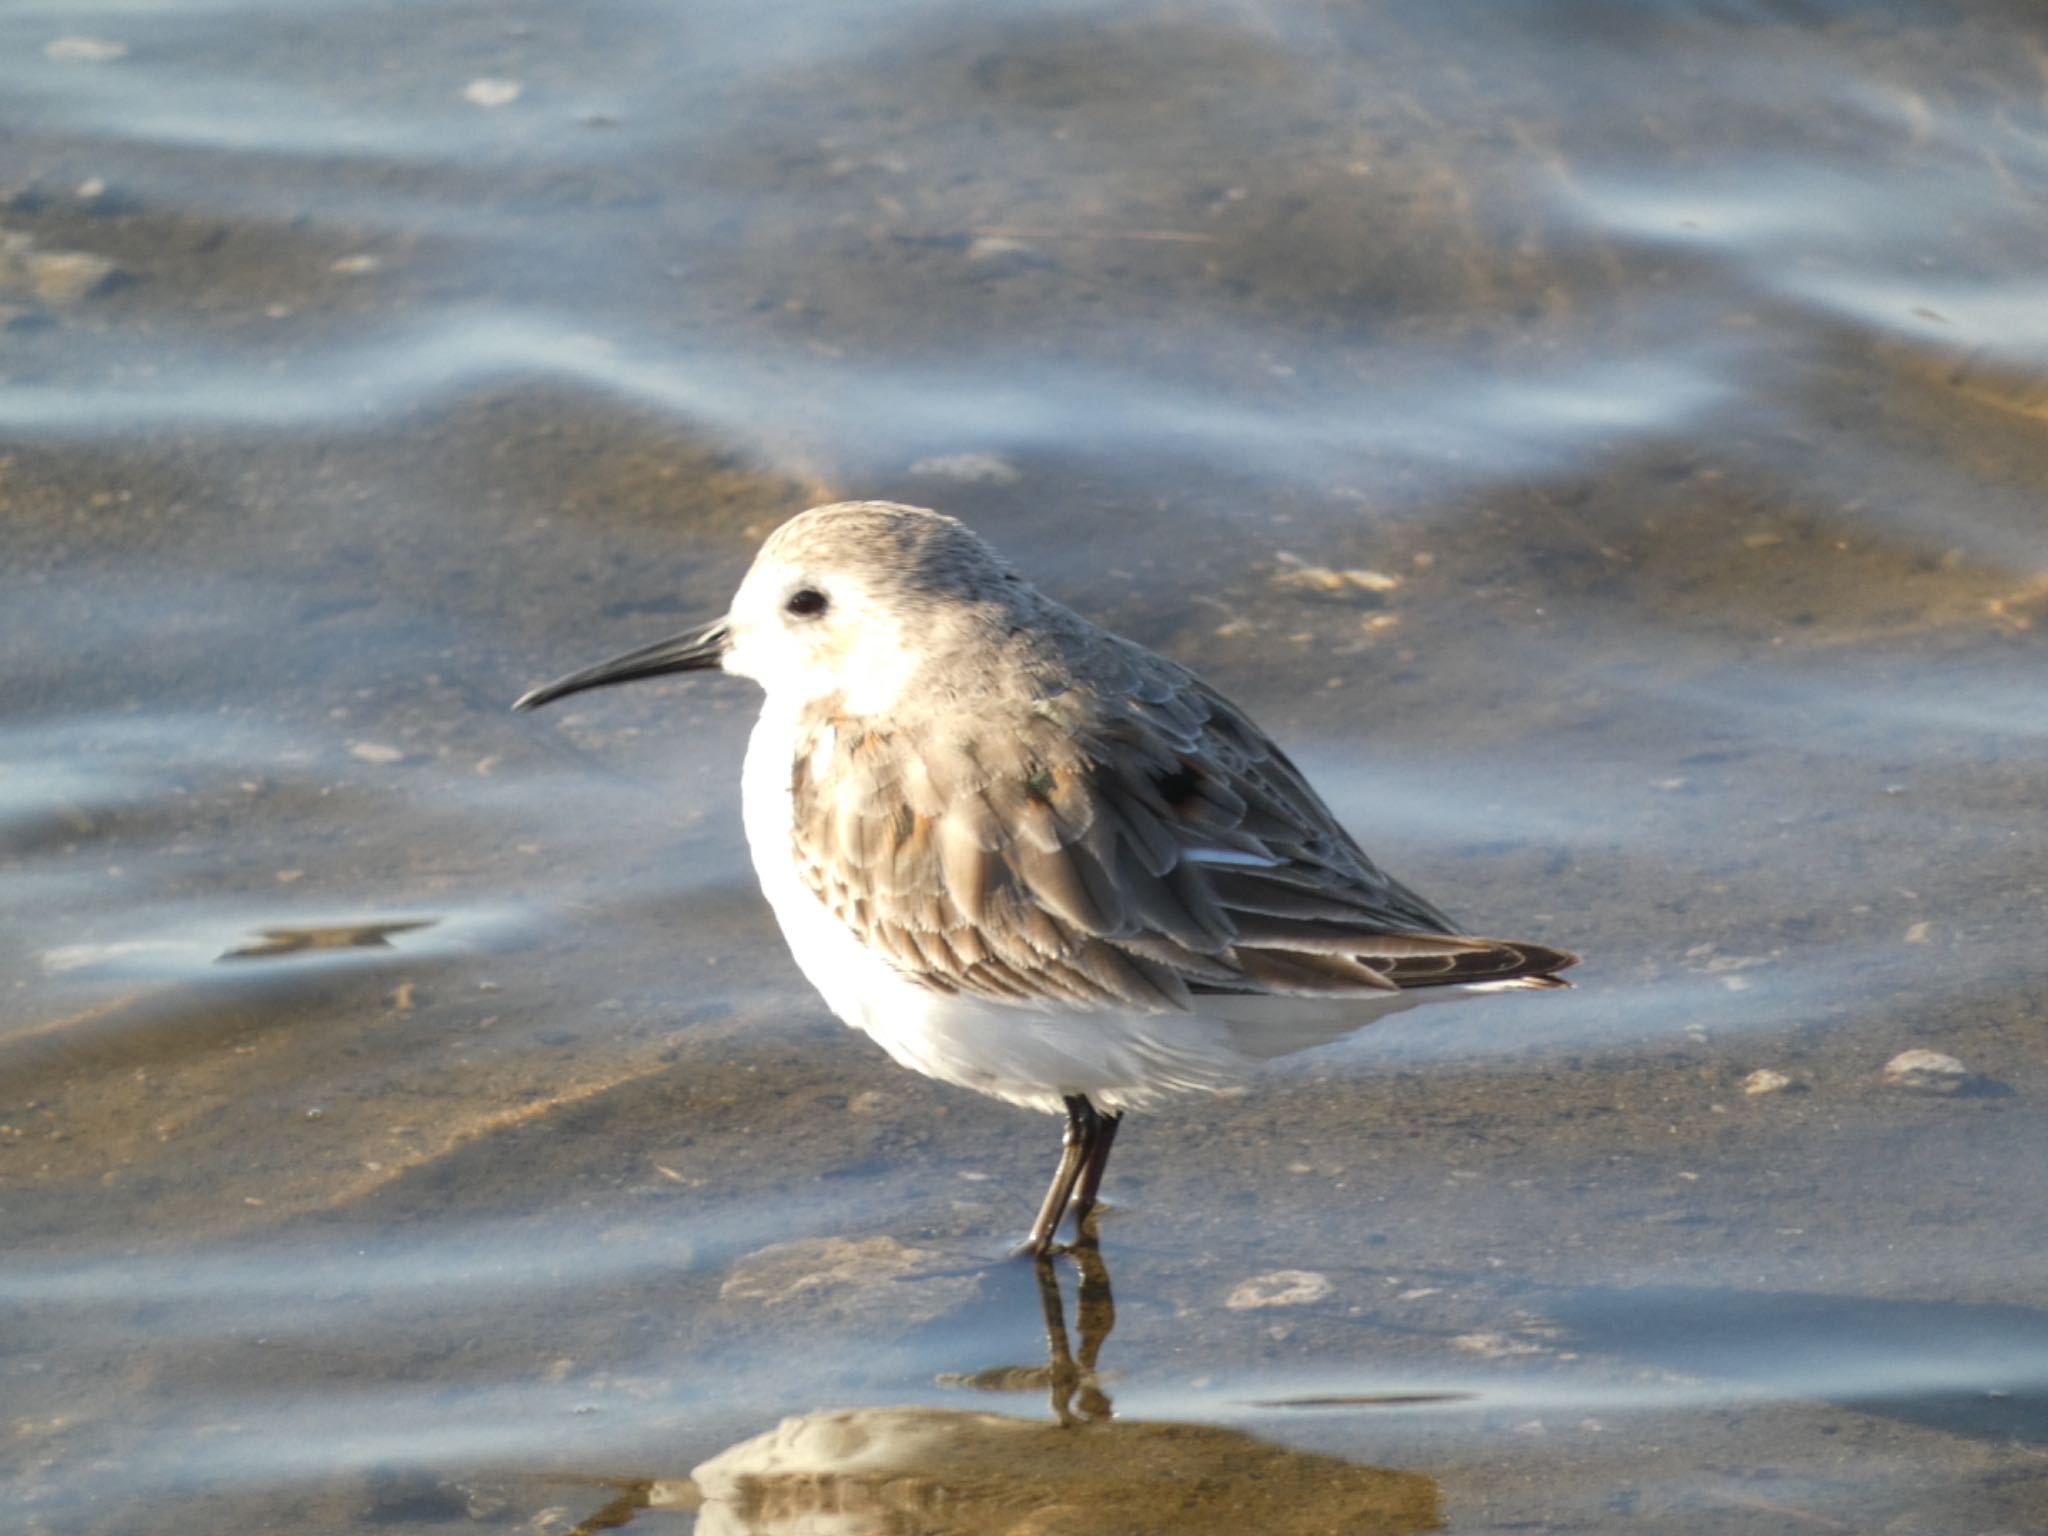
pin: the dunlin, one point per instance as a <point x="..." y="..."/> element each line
<point x="1033" y="858"/>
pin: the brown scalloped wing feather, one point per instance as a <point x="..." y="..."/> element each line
<point x="1122" y="846"/>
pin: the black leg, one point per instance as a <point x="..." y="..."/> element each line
<point x="1084" y="1128"/>
<point x="1092" y="1169"/>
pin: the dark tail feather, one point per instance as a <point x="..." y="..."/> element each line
<point x="1487" y="960"/>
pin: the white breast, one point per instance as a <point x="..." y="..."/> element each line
<point x="849" y="975"/>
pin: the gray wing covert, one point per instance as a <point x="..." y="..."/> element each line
<point x="1129" y="844"/>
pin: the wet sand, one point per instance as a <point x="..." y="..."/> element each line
<point x="1705" y="638"/>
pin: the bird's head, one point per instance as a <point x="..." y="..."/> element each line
<point x="846" y="602"/>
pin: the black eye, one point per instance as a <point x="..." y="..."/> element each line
<point x="806" y="602"/>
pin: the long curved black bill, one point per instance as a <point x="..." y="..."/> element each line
<point x="697" y="650"/>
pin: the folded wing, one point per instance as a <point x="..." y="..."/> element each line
<point x="1133" y="843"/>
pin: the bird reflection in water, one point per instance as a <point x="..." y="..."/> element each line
<point x="1069" y="1374"/>
<point x="1077" y="1395"/>
<point x="922" y="1471"/>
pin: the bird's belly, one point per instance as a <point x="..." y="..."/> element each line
<point x="1034" y="1057"/>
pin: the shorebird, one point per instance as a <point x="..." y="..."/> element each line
<point x="1033" y="858"/>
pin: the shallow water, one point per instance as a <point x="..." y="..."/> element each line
<point x="408" y="1118"/>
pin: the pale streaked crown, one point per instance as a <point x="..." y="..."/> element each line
<point x="856" y="598"/>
